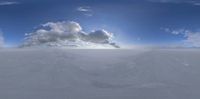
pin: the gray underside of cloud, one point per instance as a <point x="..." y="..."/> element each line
<point x="68" y="34"/>
<point x="1" y="40"/>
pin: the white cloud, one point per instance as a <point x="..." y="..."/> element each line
<point x="85" y="10"/>
<point x="6" y="3"/>
<point x="192" y="39"/>
<point x="67" y="34"/>
<point x="1" y="40"/>
<point x="176" y="32"/>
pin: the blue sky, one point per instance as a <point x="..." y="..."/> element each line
<point x="143" y="22"/>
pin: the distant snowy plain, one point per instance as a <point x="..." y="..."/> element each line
<point x="99" y="74"/>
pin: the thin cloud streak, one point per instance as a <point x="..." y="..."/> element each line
<point x="194" y="2"/>
<point x="85" y="10"/>
<point x="6" y="3"/>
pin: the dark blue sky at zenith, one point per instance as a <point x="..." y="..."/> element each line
<point x="143" y="22"/>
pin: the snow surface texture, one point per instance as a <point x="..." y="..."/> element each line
<point x="99" y="74"/>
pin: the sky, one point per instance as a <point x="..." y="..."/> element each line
<point x="131" y="22"/>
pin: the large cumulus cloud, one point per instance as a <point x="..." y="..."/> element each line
<point x="67" y="34"/>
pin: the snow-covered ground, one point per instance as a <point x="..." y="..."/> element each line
<point x="99" y="74"/>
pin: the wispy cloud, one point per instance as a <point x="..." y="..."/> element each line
<point x="165" y="1"/>
<point x="85" y="10"/>
<point x="192" y="39"/>
<point x="196" y="3"/>
<point x="192" y="2"/>
<point x="6" y="3"/>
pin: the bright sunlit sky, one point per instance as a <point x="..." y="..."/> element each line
<point x="143" y="22"/>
